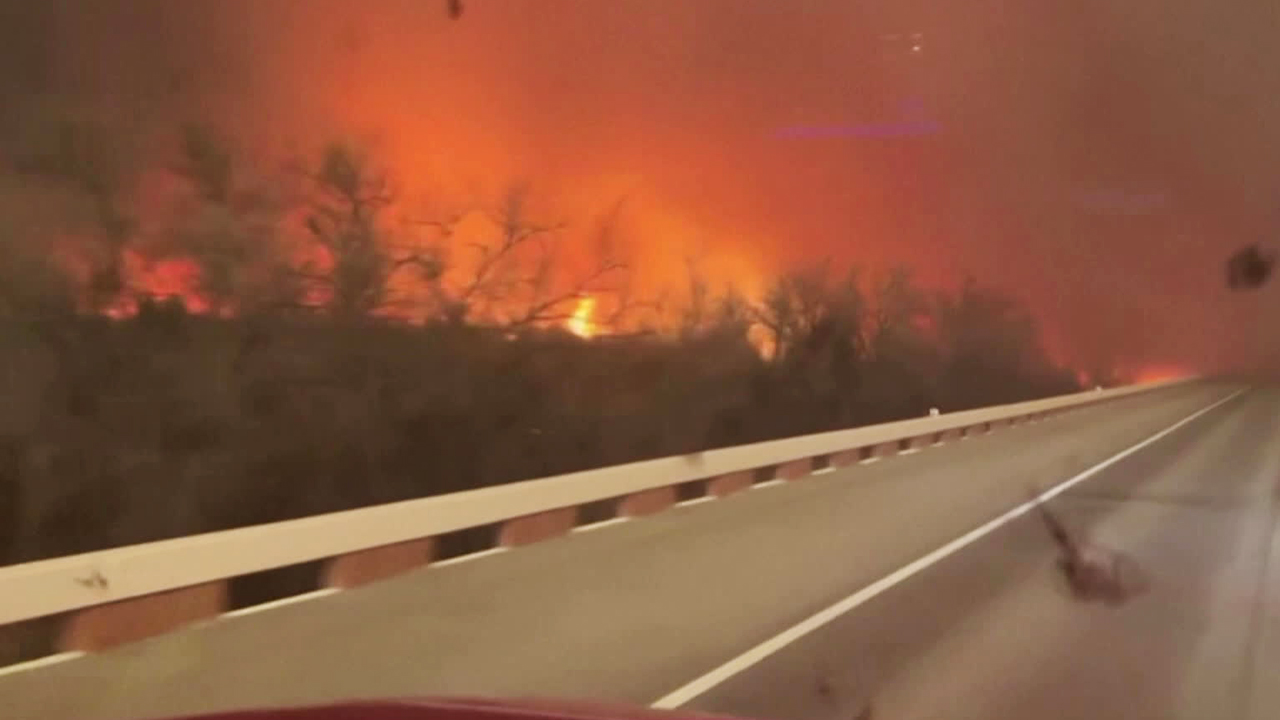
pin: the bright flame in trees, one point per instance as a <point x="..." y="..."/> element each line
<point x="581" y="324"/>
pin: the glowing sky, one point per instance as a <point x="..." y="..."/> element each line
<point x="1100" y="159"/>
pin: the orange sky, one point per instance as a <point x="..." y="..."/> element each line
<point x="674" y="107"/>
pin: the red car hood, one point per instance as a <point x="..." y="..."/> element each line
<point x="458" y="708"/>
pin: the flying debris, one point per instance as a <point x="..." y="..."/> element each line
<point x="1093" y="573"/>
<point x="455" y="9"/>
<point x="1249" y="268"/>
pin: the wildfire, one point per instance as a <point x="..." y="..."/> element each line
<point x="1160" y="373"/>
<point x="581" y="323"/>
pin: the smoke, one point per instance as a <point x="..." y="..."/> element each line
<point x="1033" y="112"/>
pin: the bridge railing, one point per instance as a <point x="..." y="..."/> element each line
<point x="109" y="597"/>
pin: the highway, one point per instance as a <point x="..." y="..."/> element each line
<point x="791" y="602"/>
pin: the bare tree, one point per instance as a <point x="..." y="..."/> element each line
<point x="360" y="253"/>
<point x="550" y="299"/>
<point x="807" y="308"/>
<point x="814" y="322"/>
<point x="515" y="280"/>
<point x="87" y="158"/>
<point x="701" y="311"/>
<point x="790" y="308"/>
<point x="230" y="228"/>
<point x="901" y="354"/>
<point x="694" y="315"/>
<point x="898" y="309"/>
<point x="991" y="350"/>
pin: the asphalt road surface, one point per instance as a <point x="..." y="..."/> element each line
<point x="642" y="611"/>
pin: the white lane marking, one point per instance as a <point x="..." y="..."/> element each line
<point x="868" y="461"/>
<point x="469" y="557"/>
<point x="45" y="661"/>
<point x="769" y="483"/>
<point x="601" y="524"/>
<point x="696" y="501"/>
<point x="824" y="470"/>
<point x="282" y="602"/>
<point x="700" y="685"/>
<point x="910" y="451"/>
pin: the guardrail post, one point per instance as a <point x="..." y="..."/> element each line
<point x="913" y="444"/>
<point x="795" y="469"/>
<point x="102" y="627"/>
<point x="537" y="527"/>
<point x="880" y="451"/>
<point x="844" y="458"/>
<point x="378" y="563"/>
<point x="729" y="484"/>
<point x="647" y="502"/>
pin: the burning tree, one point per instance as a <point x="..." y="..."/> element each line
<point x="353" y="260"/>
<point x="83" y="158"/>
<point x="902" y="355"/>
<point x="517" y="280"/>
<point x="230" y="228"/>
<point x="358" y="252"/>
<point x="726" y="316"/>
<point x="806" y="311"/>
<point x="816" y="335"/>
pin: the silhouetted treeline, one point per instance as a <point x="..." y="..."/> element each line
<point x="168" y="424"/>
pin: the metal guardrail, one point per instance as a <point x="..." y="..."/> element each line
<point x="79" y="582"/>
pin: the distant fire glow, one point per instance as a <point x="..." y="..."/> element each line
<point x="582" y="323"/>
<point x="1160" y="373"/>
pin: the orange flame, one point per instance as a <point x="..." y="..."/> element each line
<point x="582" y="323"/>
<point x="1160" y="373"/>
